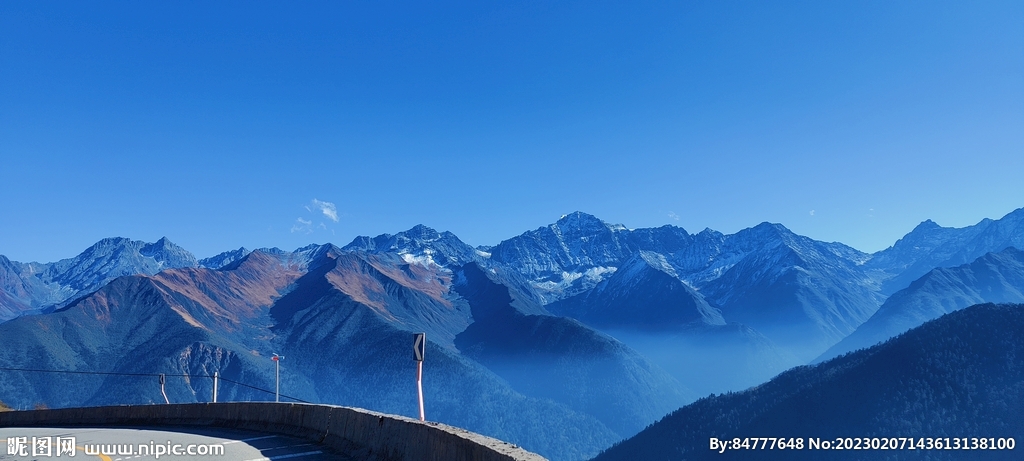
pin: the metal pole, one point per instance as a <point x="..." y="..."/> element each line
<point x="215" y="387"/>
<point x="277" y="374"/>
<point x="419" y="386"/>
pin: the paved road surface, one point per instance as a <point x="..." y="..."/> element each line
<point x="145" y="444"/>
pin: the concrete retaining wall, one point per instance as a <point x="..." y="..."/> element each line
<point x="354" y="431"/>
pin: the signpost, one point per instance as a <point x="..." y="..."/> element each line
<point x="419" y="347"/>
<point x="162" y="381"/>
<point x="277" y="373"/>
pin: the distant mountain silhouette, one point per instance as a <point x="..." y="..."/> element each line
<point x="929" y="246"/>
<point x="802" y="294"/>
<point x="994" y="277"/>
<point x="33" y="288"/>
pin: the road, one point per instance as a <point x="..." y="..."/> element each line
<point x="171" y="444"/>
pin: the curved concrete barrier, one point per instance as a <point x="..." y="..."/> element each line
<point x="362" y="433"/>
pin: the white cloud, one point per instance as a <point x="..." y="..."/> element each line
<point x="812" y="212"/>
<point x="673" y="215"/>
<point x="322" y="213"/>
<point x="327" y="208"/>
<point x="302" y="225"/>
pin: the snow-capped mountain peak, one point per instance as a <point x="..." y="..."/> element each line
<point x="422" y="244"/>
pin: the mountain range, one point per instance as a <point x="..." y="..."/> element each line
<point x="563" y="339"/>
<point x="343" y="321"/>
<point x="929" y="246"/>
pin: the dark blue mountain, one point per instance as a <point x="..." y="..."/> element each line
<point x="994" y="277"/>
<point x="802" y="294"/>
<point x="560" y="359"/>
<point x="645" y="294"/>
<point x="645" y="305"/>
<point x="957" y="376"/>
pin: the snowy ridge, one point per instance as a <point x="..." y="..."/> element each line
<point x="929" y="246"/>
<point x="659" y="262"/>
<point x="223" y="259"/>
<point x="422" y="244"/>
<point x="578" y="251"/>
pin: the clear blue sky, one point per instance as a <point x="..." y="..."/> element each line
<point x="218" y="125"/>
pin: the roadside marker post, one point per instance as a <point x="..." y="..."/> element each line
<point x="277" y="373"/>
<point x="419" y="347"/>
<point x="163" y="379"/>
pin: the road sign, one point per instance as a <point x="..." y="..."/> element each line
<point x="163" y="381"/>
<point x="419" y="346"/>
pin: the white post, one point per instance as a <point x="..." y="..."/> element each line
<point x="162" y="379"/>
<point x="277" y="373"/>
<point x="419" y="386"/>
<point x="419" y="348"/>
<point x="215" y="387"/>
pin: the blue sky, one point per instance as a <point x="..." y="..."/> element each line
<point x="237" y="124"/>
